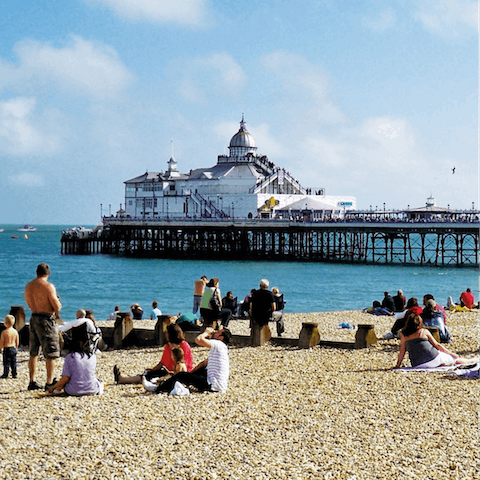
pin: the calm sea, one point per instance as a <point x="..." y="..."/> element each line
<point x="100" y="282"/>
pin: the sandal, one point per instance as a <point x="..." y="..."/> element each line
<point x="116" y="374"/>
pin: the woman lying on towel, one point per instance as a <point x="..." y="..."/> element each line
<point x="423" y="350"/>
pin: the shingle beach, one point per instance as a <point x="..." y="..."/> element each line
<point x="288" y="414"/>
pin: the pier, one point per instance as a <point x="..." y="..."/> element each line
<point x="353" y="240"/>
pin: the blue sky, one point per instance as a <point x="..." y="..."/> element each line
<point x="376" y="99"/>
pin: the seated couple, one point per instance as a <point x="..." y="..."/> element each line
<point x="211" y="375"/>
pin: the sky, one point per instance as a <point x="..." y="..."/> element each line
<point x="374" y="99"/>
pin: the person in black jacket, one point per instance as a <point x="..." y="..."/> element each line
<point x="388" y="302"/>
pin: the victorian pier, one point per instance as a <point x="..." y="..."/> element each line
<point x="352" y="240"/>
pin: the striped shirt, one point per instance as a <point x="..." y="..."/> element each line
<point x="218" y="366"/>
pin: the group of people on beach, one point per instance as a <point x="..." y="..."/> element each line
<point x="261" y="305"/>
<point x="411" y="326"/>
<point x="176" y="364"/>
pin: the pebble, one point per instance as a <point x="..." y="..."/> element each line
<point x="322" y="413"/>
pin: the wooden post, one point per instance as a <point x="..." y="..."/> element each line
<point x="163" y="321"/>
<point x="259" y="334"/>
<point x="123" y="327"/>
<point x="435" y="333"/>
<point x="309" y="335"/>
<point x="20" y="323"/>
<point x="365" y="336"/>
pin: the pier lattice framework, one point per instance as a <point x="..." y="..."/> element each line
<point x="441" y="244"/>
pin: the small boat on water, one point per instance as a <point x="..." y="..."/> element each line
<point x="27" y="228"/>
<point x="2" y="230"/>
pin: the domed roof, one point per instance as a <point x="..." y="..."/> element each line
<point x="242" y="138"/>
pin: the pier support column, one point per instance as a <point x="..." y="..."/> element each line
<point x="259" y="334"/>
<point x="365" y="336"/>
<point x="309" y="336"/>
<point x="123" y="327"/>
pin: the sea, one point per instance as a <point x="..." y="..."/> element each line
<point x="99" y="282"/>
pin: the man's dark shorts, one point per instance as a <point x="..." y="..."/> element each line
<point x="44" y="333"/>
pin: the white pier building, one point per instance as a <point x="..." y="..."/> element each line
<point x="242" y="184"/>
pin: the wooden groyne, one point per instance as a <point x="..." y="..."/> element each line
<point x="406" y="243"/>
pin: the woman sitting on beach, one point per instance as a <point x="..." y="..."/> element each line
<point x="176" y="339"/>
<point x="78" y="374"/>
<point x="423" y="350"/>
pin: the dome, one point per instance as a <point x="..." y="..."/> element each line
<point x="242" y="142"/>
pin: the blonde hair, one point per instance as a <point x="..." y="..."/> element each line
<point x="9" y="320"/>
<point x="275" y="290"/>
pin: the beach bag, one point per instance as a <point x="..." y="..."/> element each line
<point x="180" y="389"/>
<point x="215" y="303"/>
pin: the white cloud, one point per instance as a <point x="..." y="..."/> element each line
<point x="301" y="86"/>
<point x="217" y="74"/>
<point x="27" y="180"/>
<point x="381" y="22"/>
<point x="18" y="133"/>
<point x="448" y="17"/>
<point x="182" y="12"/>
<point x="81" y="66"/>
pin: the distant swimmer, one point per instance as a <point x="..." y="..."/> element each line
<point x="453" y="170"/>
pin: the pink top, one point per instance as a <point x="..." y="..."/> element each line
<point x="168" y="361"/>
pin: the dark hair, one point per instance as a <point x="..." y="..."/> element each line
<point x="175" y="334"/>
<point x="43" y="270"/>
<point x="178" y="354"/>
<point x="376" y="304"/>
<point x="412" y="324"/>
<point x="412" y="302"/>
<point x="227" y="335"/>
<point x="385" y="293"/>
<point x="213" y="282"/>
<point x="469" y="290"/>
<point x="78" y="340"/>
<point x="155" y="304"/>
<point x="427" y="297"/>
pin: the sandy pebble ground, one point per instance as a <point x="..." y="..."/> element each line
<point x="322" y="413"/>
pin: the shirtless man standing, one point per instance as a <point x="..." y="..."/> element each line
<point x="41" y="297"/>
<point x="199" y="289"/>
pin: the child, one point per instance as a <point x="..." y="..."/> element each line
<point x="179" y="358"/>
<point x="9" y="343"/>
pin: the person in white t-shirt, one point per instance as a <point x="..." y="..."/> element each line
<point x="212" y="374"/>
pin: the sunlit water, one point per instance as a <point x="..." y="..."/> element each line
<point x="100" y="282"/>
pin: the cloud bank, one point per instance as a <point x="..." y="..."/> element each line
<point x="181" y="12"/>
